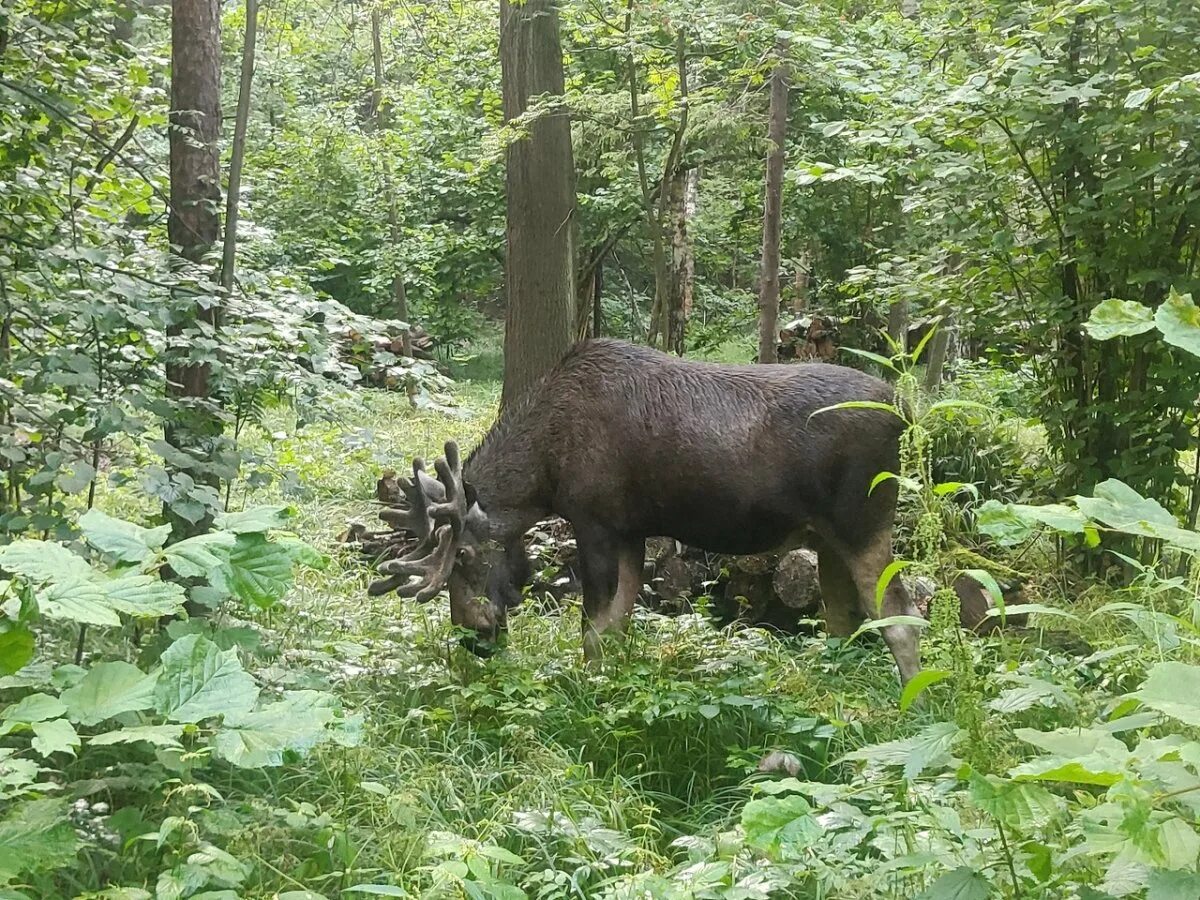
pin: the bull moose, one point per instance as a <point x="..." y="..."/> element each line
<point x="626" y="443"/>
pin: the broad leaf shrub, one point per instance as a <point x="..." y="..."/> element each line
<point x="172" y="717"/>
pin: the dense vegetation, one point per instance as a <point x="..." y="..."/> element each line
<point x="996" y="206"/>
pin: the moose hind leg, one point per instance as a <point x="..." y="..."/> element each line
<point x="612" y="578"/>
<point x="839" y="593"/>
<point x="866" y="564"/>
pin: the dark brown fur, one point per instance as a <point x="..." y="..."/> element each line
<point x="626" y="443"/>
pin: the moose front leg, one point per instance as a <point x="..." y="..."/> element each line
<point x="611" y="572"/>
<point x="866" y="565"/>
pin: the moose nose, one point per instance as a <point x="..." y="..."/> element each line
<point x="483" y="645"/>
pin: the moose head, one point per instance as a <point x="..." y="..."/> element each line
<point x="454" y="551"/>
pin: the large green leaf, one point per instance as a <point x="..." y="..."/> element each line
<point x="199" y="680"/>
<point x="144" y="596"/>
<point x="1119" y="318"/>
<point x="258" y="571"/>
<point x="42" y="561"/>
<point x="1077" y="755"/>
<point x="1173" y="688"/>
<point x="260" y="738"/>
<point x="1165" y="885"/>
<point x="928" y="748"/>
<point x="77" y="600"/>
<point x="158" y="735"/>
<point x="1178" y="318"/>
<point x="1017" y="804"/>
<point x="54" y="736"/>
<point x="1117" y="505"/>
<point x="124" y="541"/>
<point x="33" y="708"/>
<point x="199" y="556"/>
<point x="964" y="883"/>
<point x="780" y="824"/>
<point x="34" y="837"/>
<point x="16" y="647"/>
<point x="259" y="519"/>
<point x="109" y="689"/>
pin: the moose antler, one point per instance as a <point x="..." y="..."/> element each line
<point x="436" y="512"/>
<point x="423" y="577"/>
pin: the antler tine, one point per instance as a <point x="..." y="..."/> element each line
<point x="420" y="578"/>
<point x="454" y="509"/>
<point x="413" y="514"/>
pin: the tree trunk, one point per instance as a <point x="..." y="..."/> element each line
<point x="802" y="282"/>
<point x="193" y="224"/>
<point x="897" y="325"/>
<point x="380" y="114"/>
<point x="681" y="282"/>
<point x="540" y="180"/>
<point x="939" y="347"/>
<point x="238" y="153"/>
<point x="768" y="289"/>
<point x="657" y="213"/>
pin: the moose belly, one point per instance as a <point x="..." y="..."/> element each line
<point x="732" y="528"/>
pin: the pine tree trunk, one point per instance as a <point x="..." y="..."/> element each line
<point x="768" y="289"/>
<point x="540" y="179"/>
<point x="193" y="223"/>
<point x="238" y="153"/>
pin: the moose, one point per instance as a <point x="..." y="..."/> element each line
<point x="626" y="443"/>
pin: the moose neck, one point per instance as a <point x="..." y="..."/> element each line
<point x="507" y="472"/>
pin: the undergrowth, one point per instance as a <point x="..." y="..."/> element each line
<point x="1022" y="770"/>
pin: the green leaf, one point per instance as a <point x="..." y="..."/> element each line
<point x="894" y="568"/>
<point x="1173" y="688"/>
<point x="1031" y="692"/>
<point x="34" y="708"/>
<point x="258" y="571"/>
<point x="1077" y="755"/>
<point x="1018" y="805"/>
<point x="1001" y="522"/>
<point x="1166" y="885"/>
<point x="918" y="683"/>
<point x="16" y="647"/>
<point x="1179" y="321"/>
<point x="54" y="736"/>
<point x="988" y="582"/>
<point x="964" y="883"/>
<point x="199" y="556"/>
<point x="158" y="735"/>
<point x="35" y="837"/>
<point x="124" y="541"/>
<point x="259" y="519"/>
<point x="42" y="561"/>
<point x="256" y="739"/>
<point x="1138" y="98"/>
<point x="109" y="689"/>
<point x="1119" y="318"/>
<point x="1117" y="505"/>
<point x="861" y="404"/>
<point x="199" y="680"/>
<point x="379" y="890"/>
<point x="77" y="600"/>
<point x="887" y="622"/>
<point x="144" y="596"/>
<point x="928" y="748"/>
<point x="775" y="824"/>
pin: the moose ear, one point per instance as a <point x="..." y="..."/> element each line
<point x="471" y="494"/>
<point x="477" y="521"/>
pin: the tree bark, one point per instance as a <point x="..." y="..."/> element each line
<point x="664" y="270"/>
<point x="380" y="114"/>
<point x="768" y="289"/>
<point x="193" y="223"/>
<point x="682" y="276"/>
<point x="238" y="153"/>
<point x="939" y="348"/>
<point x="897" y="325"/>
<point x="540" y="181"/>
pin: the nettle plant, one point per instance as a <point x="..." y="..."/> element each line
<point x="193" y="707"/>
